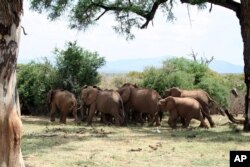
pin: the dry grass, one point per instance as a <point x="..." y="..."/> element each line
<point x="54" y="145"/>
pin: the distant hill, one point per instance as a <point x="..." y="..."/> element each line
<point x="126" y="65"/>
<point x="225" y="67"/>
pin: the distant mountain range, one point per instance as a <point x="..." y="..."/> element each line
<point x="126" y="65"/>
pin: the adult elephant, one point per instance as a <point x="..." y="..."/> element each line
<point x="62" y="101"/>
<point x="200" y="95"/>
<point x="186" y="108"/>
<point x="104" y="101"/>
<point x="141" y="100"/>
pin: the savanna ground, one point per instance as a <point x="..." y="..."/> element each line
<point x="46" y="144"/>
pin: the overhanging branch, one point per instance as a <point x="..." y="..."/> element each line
<point x="149" y="17"/>
<point x="229" y="4"/>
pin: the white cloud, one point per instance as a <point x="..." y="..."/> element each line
<point x="210" y="34"/>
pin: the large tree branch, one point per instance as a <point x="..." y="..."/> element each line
<point x="151" y="14"/>
<point x="229" y="4"/>
<point x="148" y="15"/>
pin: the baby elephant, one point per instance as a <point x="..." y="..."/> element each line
<point x="186" y="108"/>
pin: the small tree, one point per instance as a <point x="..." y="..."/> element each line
<point x="77" y="67"/>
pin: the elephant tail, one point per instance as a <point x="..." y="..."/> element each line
<point x="212" y="101"/>
<point x="232" y="119"/>
<point x="221" y="111"/>
<point x="203" y="112"/>
<point x="49" y="98"/>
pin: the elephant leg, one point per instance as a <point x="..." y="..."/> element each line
<point x="183" y="122"/>
<point x="203" y="123"/>
<point x="172" y="122"/>
<point x="91" y="113"/>
<point x="127" y="113"/>
<point x="154" y="119"/>
<point x="63" y="117"/>
<point x="208" y="116"/>
<point x="74" y="112"/>
<point x="117" y="118"/>
<point x="53" y="112"/>
<point x="187" y="122"/>
<point x="106" y="118"/>
<point x="139" y="118"/>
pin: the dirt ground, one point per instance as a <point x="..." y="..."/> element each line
<point x="46" y="144"/>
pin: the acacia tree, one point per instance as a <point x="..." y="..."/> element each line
<point x="10" y="123"/>
<point x="139" y="13"/>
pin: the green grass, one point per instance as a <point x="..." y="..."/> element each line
<point x="56" y="145"/>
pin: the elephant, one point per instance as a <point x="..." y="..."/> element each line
<point x="104" y="101"/>
<point x="140" y="100"/>
<point x="200" y="95"/>
<point x="186" y="108"/>
<point x="62" y="101"/>
<point x="84" y="109"/>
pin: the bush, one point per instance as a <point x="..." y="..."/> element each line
<point x="34" y="80"/>
<point x="187" y="74"/>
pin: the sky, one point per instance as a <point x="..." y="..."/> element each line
<point x="208" y="34"/>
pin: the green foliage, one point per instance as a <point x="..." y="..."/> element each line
<point x="77" y="67"/>
<point x="216" y="88"/>
<point x="34" y="80"/>
<point x="84" y="13"/>
<point x="187" y="74"/>
<point x="236" y="81"/>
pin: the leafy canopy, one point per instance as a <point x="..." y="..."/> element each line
<point x="77" y="67"/>
<point x="128" y="13"/>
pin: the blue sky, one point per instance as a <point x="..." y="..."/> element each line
<point x="209" y="34"/>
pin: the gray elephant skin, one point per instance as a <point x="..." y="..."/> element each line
<point x="200" y="95"/>
<point x="141" y="100"/>
<point x="104" y="101"/>
<point x="186" y="108"/>
<point x="62" y="101"/>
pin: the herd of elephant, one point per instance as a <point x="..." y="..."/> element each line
<point x="132" y="103"/>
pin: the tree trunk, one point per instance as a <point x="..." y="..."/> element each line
<point x="10" y="122"/>
<point x="245" y="32"/>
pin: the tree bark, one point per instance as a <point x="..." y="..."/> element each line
<point x="244" y="18"/>
<point x="10" y="122"/>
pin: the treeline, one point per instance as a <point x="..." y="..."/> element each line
<point x="189" y="74"/>
<point x="75" y="67"/>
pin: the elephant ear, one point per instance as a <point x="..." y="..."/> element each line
<point x="175" y="92"/>
<point x="125" y="93"/>
<point x="91" y="96"/>
<point x="162" y="102"/>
